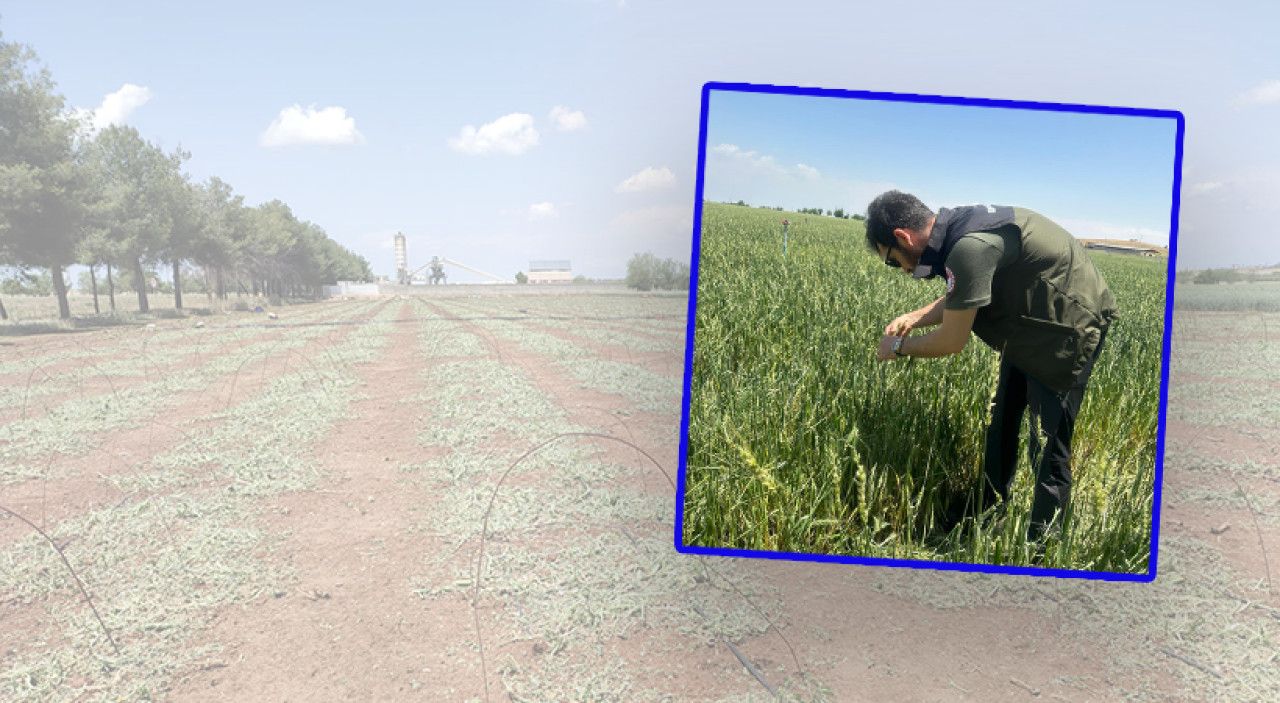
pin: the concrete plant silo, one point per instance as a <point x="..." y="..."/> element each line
<point x="402" y="260"/>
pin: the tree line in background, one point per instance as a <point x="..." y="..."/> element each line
<point x="39" y="282"/>
<point x="647" y="272"/>
<point x="838" y="212"/>
<point x="120" y="205"/>
<point x="1229" y="275"/>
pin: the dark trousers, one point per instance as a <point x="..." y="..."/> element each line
<point x="1056" y="415"/>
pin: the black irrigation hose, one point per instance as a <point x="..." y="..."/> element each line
<point x="325" y="380"/>
<point x="496" y="348"/>
<point x="794" y="657"/>
<point x="1199" y="434"/>
<point x="26" y="391"/>
<point x="153" y="421"/>
<point x="484" y="532"/>
<point x="74" y="575"/>
<point x="1266" y="561"/>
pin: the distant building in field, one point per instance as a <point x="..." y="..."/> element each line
<point x="351" y="289"/>
<point x="557" y="271"/>
<point x="1132" y="246"/>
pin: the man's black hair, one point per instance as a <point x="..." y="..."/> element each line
<point x="892" y="210"/>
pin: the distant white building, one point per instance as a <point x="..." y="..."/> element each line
<point x="351" y="289"/>
<point x="557" y="271"/>
<point x="1136" y="248"/>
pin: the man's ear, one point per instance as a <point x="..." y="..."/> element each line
<point x="903" y="238"/>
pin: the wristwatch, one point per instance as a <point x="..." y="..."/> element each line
<point x="897" y="347"/>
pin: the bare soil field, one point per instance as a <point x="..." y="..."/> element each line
<point x="467" y="494"/>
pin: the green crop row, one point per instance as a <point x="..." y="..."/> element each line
<point x="801" y="441"/>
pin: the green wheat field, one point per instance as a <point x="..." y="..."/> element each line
<point x="801" y="441"/>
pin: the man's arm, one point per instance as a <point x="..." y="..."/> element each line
<point x="949" y="338"/>
<point x="927" y="316"/>
<point x="970" y="268"/>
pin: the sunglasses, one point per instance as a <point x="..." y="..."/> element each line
<point x="891" y="263"/>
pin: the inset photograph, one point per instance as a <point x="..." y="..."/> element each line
<point x="929" y="331"/>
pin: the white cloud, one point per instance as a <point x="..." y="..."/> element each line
<point x="656" y="213"/>
<point x="543" y="210"/>
<point x="1093" y="229"/>
<point x="1264" y="93"/>
<point x="754" y="161"/>
<point x="1205" y="187"/>
<point x="750" y="157"/>
<point x="734" y="173"/>
<point x="380" y="239"/>
<point x="663" y="230"/>
<point x="115" y="107"/>
<point x="510" y="134"/>
<point x="298" y="125"/>
<point x="648" y="178"/>
<point x="567" y="120"/>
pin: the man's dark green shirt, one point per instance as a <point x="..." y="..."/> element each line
<point x="1041" y="301"/>
<point x="972" y="263"/>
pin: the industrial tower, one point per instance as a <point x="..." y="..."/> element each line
<point x="402" y="260"/>
<point x="405" y="277"/>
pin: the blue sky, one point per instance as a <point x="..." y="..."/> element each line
<point x="373" y="101"/>
<point x="1102" y="176"/>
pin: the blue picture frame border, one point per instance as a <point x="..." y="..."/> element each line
<point x="707" y="89"/>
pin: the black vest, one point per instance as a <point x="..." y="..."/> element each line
<point x="1048" y="308"/>
<point x="953" y="223"/>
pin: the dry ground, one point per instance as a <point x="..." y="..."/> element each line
<point x="335" y="506"/>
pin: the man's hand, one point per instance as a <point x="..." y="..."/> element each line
<point x="903" y="324"/>
<point x="885" y="351"/>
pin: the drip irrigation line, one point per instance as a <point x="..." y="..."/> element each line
<point x="1266" y="561"/>
<point x="26" y="393"/>
<point x="743" y="659"/>
<point x="74" y="575"/>
<point x="1189" y="661"/>
<point x="1262" y="546"/>
<point x="484" y="532"/>
<point x="734" y="587"/>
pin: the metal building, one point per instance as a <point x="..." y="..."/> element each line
<point x="1129" y="247"/>
<point x="556" y="271"/>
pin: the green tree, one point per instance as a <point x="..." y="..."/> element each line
<point x="642" y="271"/>
<point x="1218" y="276"/>
<point x="25" y="282"/>
<point x="42" y="184"/>
<point x="97" y="246"/>
<point x="123" y="278"/>
<point x="188" y="221"/>
<point x="346" y="266"/>
<point x="226" y="233"/>
<point x="646" y="272"/>
<point x="193" y="280"/>
<point x="275" y="231"/>
<point x="308" y="264"/>
<point x="5" y="260"/>
<point x="137" y="211"/>
<point x="521" y="278"/>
